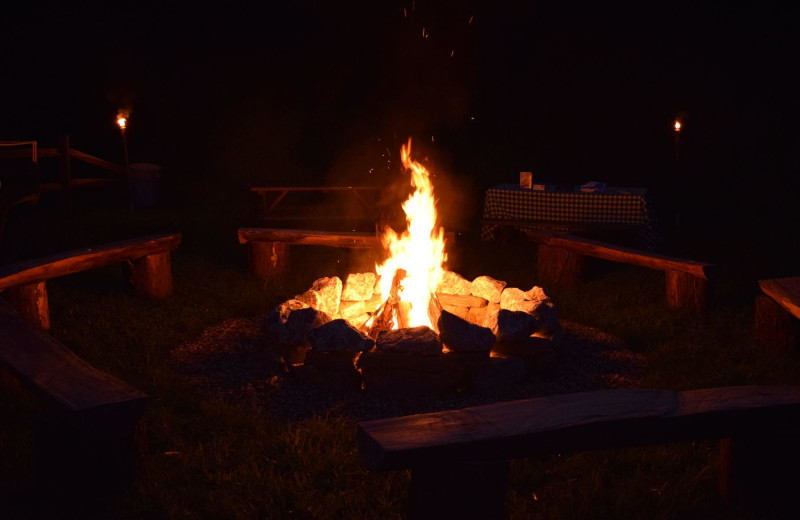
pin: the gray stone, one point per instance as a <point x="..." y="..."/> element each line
<point x="488" y="288"/>
<point x="453" y="283"/>
<point x="460" y="335"/>
<point x="359" y="287"/>
<point x="330" y="292"/>
<point x="338" y="335"/>
<point x="416" y="340"/>
<point x="300" y="321"/>
<point x="516" y="325"/>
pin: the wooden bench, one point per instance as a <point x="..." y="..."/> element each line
<point x="777" y="311"/>
<point x="459" y="458"/>
<point x="148" y="257"/>
<point x="89" y="437"/>
<point x="268" y="252"/>
<point x="560" y="262"/>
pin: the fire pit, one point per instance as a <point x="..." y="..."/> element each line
<point x="412" y="326"/>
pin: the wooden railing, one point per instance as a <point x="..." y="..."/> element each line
<point x="65" y="154"/>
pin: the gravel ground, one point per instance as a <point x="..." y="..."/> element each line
<point x="234" y="361"/>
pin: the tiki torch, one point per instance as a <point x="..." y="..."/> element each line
<point x="122" y="122"/>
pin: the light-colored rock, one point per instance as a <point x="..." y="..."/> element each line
<point x="490" y="317"/>
<point x="351" y="309"/>
<point x="330" y="292"/>
<point x="311" y="298"/>
<point x="454" y="283"/>
<point x="488" y="288"/>
<point x="359" y="286"/>
<point x="281" y="313"/>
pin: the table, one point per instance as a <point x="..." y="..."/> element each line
<point x="266" y="208"/>
<point x="624" y="208"/>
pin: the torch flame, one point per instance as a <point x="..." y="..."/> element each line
<point x="419" y="250"/>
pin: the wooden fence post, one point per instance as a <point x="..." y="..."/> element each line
<point x="65" y="173"/>
<point x="30" y="300"/>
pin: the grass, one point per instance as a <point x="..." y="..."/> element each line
<point x="212" y="459"/>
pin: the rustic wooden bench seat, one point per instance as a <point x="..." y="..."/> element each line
<point x="90" y="431"/>
<point x="149" y="259"/>
<point x="459" y="458"/>
<point x="777" y="312"/>
<point x="269" y="246"/>
<point x="560" y="262"/>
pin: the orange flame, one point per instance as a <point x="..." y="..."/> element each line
<point x="419" y="250"/>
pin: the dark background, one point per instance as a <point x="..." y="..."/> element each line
<point x="308" y="93"/>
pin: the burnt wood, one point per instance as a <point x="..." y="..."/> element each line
<point x="79" y="260"/>
<point x="459" y="300"/>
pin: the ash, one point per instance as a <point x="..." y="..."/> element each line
<point x="234" y="362"/>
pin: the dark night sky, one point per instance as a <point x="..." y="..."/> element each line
<point x="302" y="92"/>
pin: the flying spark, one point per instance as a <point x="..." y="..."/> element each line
<point x="470" y="20"/>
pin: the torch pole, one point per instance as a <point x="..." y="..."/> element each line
<point x="127" y="167"/>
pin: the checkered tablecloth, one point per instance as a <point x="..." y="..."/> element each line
<point x="514" y="203"/>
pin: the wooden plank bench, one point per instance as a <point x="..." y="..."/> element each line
<point x="560" y="262"/>
<point x="148" y="257"/>
<point x="459" y="458"/>
<point x="269" y="246"/>
<point x="777" y="311"/>
<point x="89" y="437"/>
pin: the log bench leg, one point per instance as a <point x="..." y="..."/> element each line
<point x="268" y="260"/>
<point x="70" y="463"/>
<point x="31" y="302"/>
<point x="760" y="474"/>
<point x="685" y="291"/>
<point x="458" y="490"/>
<point x="559" y="266"/>
<point x="152" y="275"/>
<point x="774" y="327"/>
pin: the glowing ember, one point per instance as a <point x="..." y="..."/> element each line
<point x="677" y="126"/>
<point x="419" y="250"/>
<point x="122" y="121"/>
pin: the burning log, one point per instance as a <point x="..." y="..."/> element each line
<point x="384" y="317"/>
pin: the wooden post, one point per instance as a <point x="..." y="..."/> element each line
<point x="152" y="275"/>
<point x="759" y="473"/>
<point x="69" y="462"/>
<point x="774" y="326"/>
<point x="559" y="266"/>
<point x="65" y="173"/>
<point x="268" y="259"/>
<point x="685" y="291"/>
<point x="30" y="300"/>
<point x="458" y="490"/>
